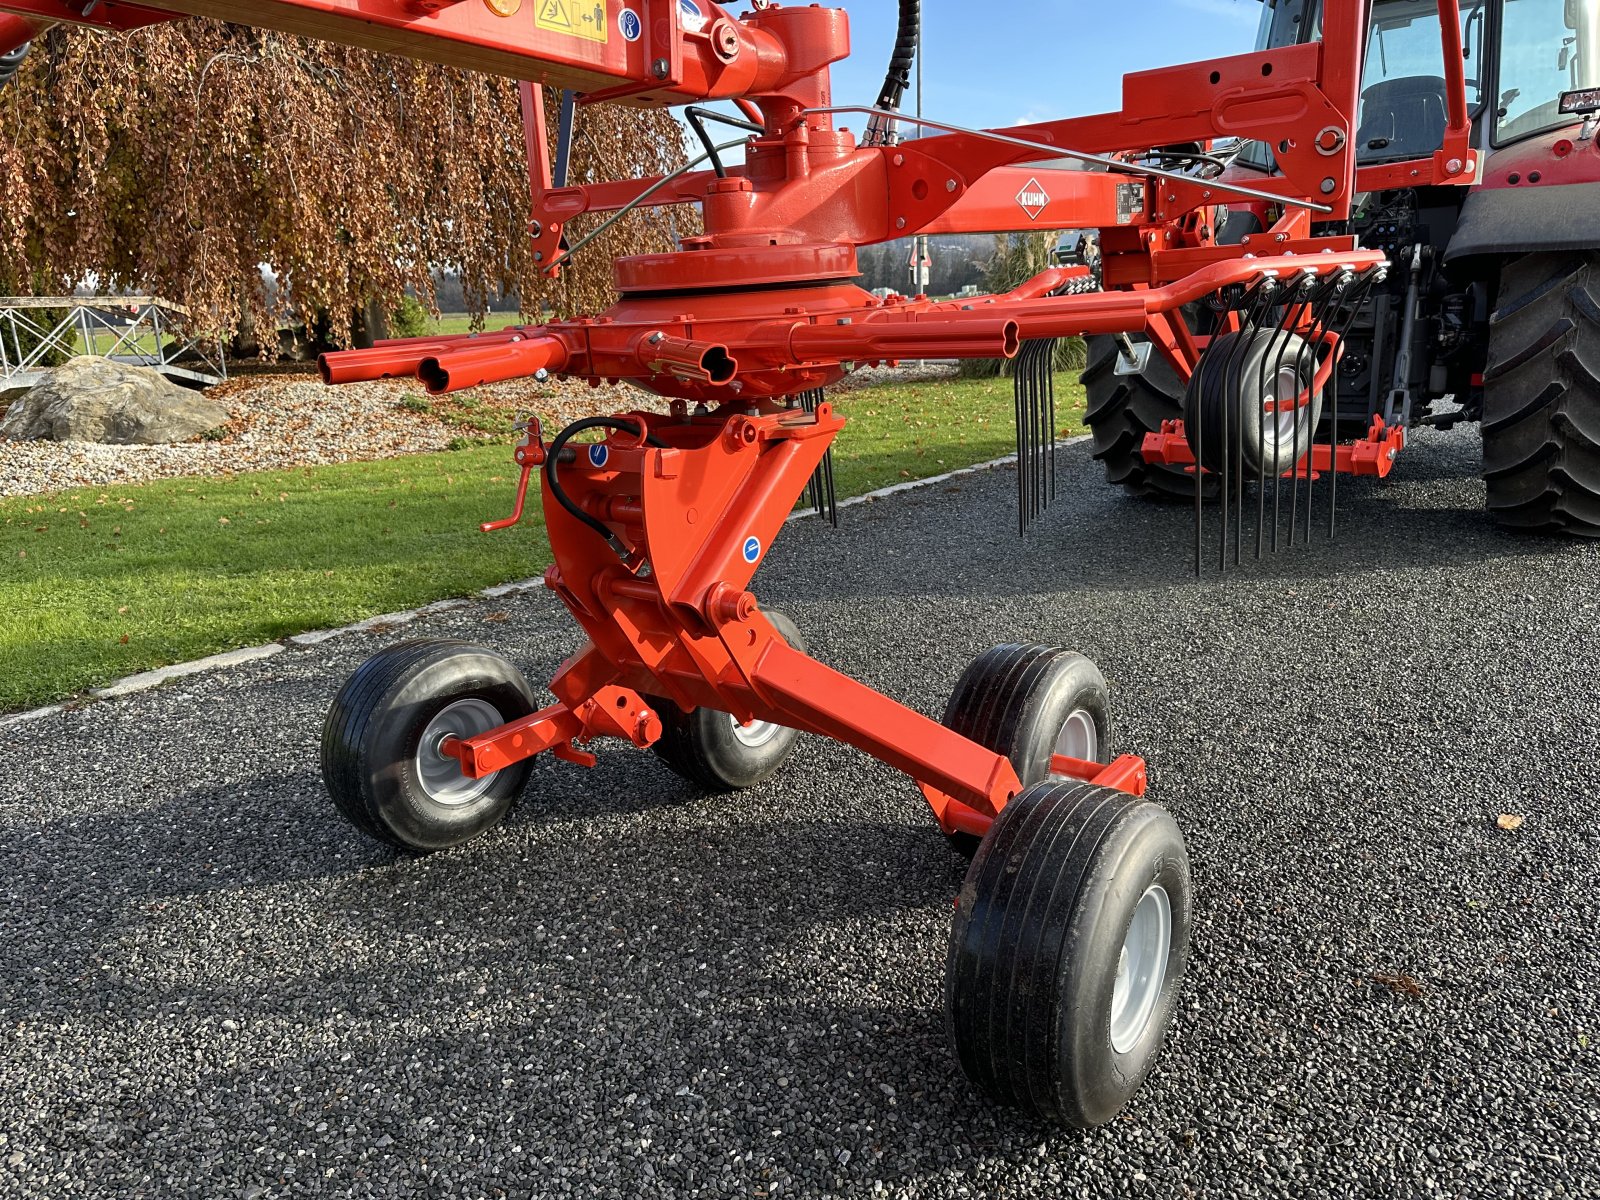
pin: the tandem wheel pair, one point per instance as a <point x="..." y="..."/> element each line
<point x="1071" y="929"/>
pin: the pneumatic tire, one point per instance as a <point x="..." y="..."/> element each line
<point x="381" y="761"/>
<point x="1541" y="406"/>
<point x="1121" y="409"/>
<point x="1070" y="940"/>
<point x="1224" y="407"/>
<point x="711" y="749"/>
<point x="1028" y="703"/>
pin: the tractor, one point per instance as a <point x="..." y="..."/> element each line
<point x="1491" y="310"/>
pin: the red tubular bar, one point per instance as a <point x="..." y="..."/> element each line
<point x="17" y="31"/>
<point x="517" y="358"/>
<point x="393" y="358"/>
<point x="666" y="355"/>
<point x="848" y="339"/>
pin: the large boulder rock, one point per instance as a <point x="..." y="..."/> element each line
<point x="90" y="399"/>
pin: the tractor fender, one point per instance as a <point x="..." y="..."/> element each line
<point x="1524" y="220"/>
<point x="1540" y="194"/>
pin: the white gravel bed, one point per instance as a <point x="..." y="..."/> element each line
<point x="290" y="421"/>
<point x="283" y="421"/>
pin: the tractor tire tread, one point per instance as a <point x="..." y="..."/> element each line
<point x="1120" y="410"/>
<point x="1541" y="417"/>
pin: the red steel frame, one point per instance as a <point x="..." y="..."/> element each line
<point x="761" y="307"/>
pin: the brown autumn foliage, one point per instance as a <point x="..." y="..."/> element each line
<point x="179" y="158"/>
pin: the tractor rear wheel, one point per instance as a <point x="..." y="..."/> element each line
<point x="1070" y="939"/>
<point x="1541" y="408"/>
<point x="1030" y="703"/>
<point x="382" y="761"/>
<point x="713" y="749"/>
<point x="1122" y="408"/>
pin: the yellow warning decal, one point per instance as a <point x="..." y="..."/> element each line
<point x="580" y="18"/>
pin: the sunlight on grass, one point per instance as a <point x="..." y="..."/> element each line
<point x="100" y="583"/>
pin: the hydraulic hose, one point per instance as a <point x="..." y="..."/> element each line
<point x="880" y="131"/>
<point x="552" y="473"/>
<point x="898" y="77"/>
<point x="11" y="63"/>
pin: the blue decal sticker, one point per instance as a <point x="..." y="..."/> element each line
<point x="752" y="549"/>
<point x="632" y="28"/>
<point x="690" y="9"/>
<point x="598" y="455"/>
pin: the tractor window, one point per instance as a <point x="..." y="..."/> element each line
<point x="1283" y="23"/>
<point x="1403" y="112"/>
<point x="1546" y="47"/>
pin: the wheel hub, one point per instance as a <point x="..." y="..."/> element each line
<point x="1141" y="968"/>
<point x="1079" y="738"/>
<point x="439" y="773"/>
<point x="756" y="734"/>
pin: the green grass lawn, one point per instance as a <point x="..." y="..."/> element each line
<point x="448" y="324"/>
<point x="99" y="583"/>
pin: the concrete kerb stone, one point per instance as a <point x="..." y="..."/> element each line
<point x="233" y="658"/>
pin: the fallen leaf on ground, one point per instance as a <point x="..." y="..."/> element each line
<point x="497" y="616"/>
<point x="1509" y="821"/>
<point x="1399" y="983"/>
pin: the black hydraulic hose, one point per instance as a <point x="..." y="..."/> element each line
<point x="11" y="63"/>
<point x="553" y="457"/>
<point x="697" y="118"/>
<point x="898" y="77"/>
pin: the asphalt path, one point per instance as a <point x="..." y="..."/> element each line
<point x="210" y="986"/>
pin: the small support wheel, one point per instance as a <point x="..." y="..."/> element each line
<point x="1030" y="703"/>
<point x="381" y="756"/>
<point x="713" y="749"/>
<point x="1242" y="407"/>
<point x="1071" y="937"/>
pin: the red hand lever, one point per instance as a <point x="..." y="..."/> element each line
<point x="529" y="454"/>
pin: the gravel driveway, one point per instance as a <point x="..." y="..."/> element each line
<point x="211" y="987"/>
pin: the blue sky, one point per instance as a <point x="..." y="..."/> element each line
<point x="1003" y="62"/>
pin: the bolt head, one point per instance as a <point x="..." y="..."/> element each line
<point x="1453" y="166"/>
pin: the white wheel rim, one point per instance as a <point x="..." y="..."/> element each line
<point x="1280" y="420"/>
<point x="441" y="775"/>
<point x="1141" y="968"/>
<point x="1079" y="738"/>
<point x="756" y="734"/>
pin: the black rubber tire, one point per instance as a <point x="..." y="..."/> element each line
<point x="1541" y="406"/>
<point x="701" y="746"/>
<point x="1016" y="699"/>
<point x="371" y="735"/>
<point x="1121" y="409"/>
<point x="1222" y="403"/>
<point x="1035" y="947"/>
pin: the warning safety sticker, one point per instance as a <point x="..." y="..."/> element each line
<point x="580" y="18"/>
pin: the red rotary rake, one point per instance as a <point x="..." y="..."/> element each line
<point x="1071" y="929"/>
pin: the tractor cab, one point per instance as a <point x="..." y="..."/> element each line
<point x="1525" y="55"/>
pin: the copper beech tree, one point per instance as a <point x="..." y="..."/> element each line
<point x="184" y="157"/>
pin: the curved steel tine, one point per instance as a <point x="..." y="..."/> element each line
<point x="1317" y="288"/>
<point x="1360" y="286"/>
<point x="1262" y="302"/>
<point x="1324" y="304"/>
